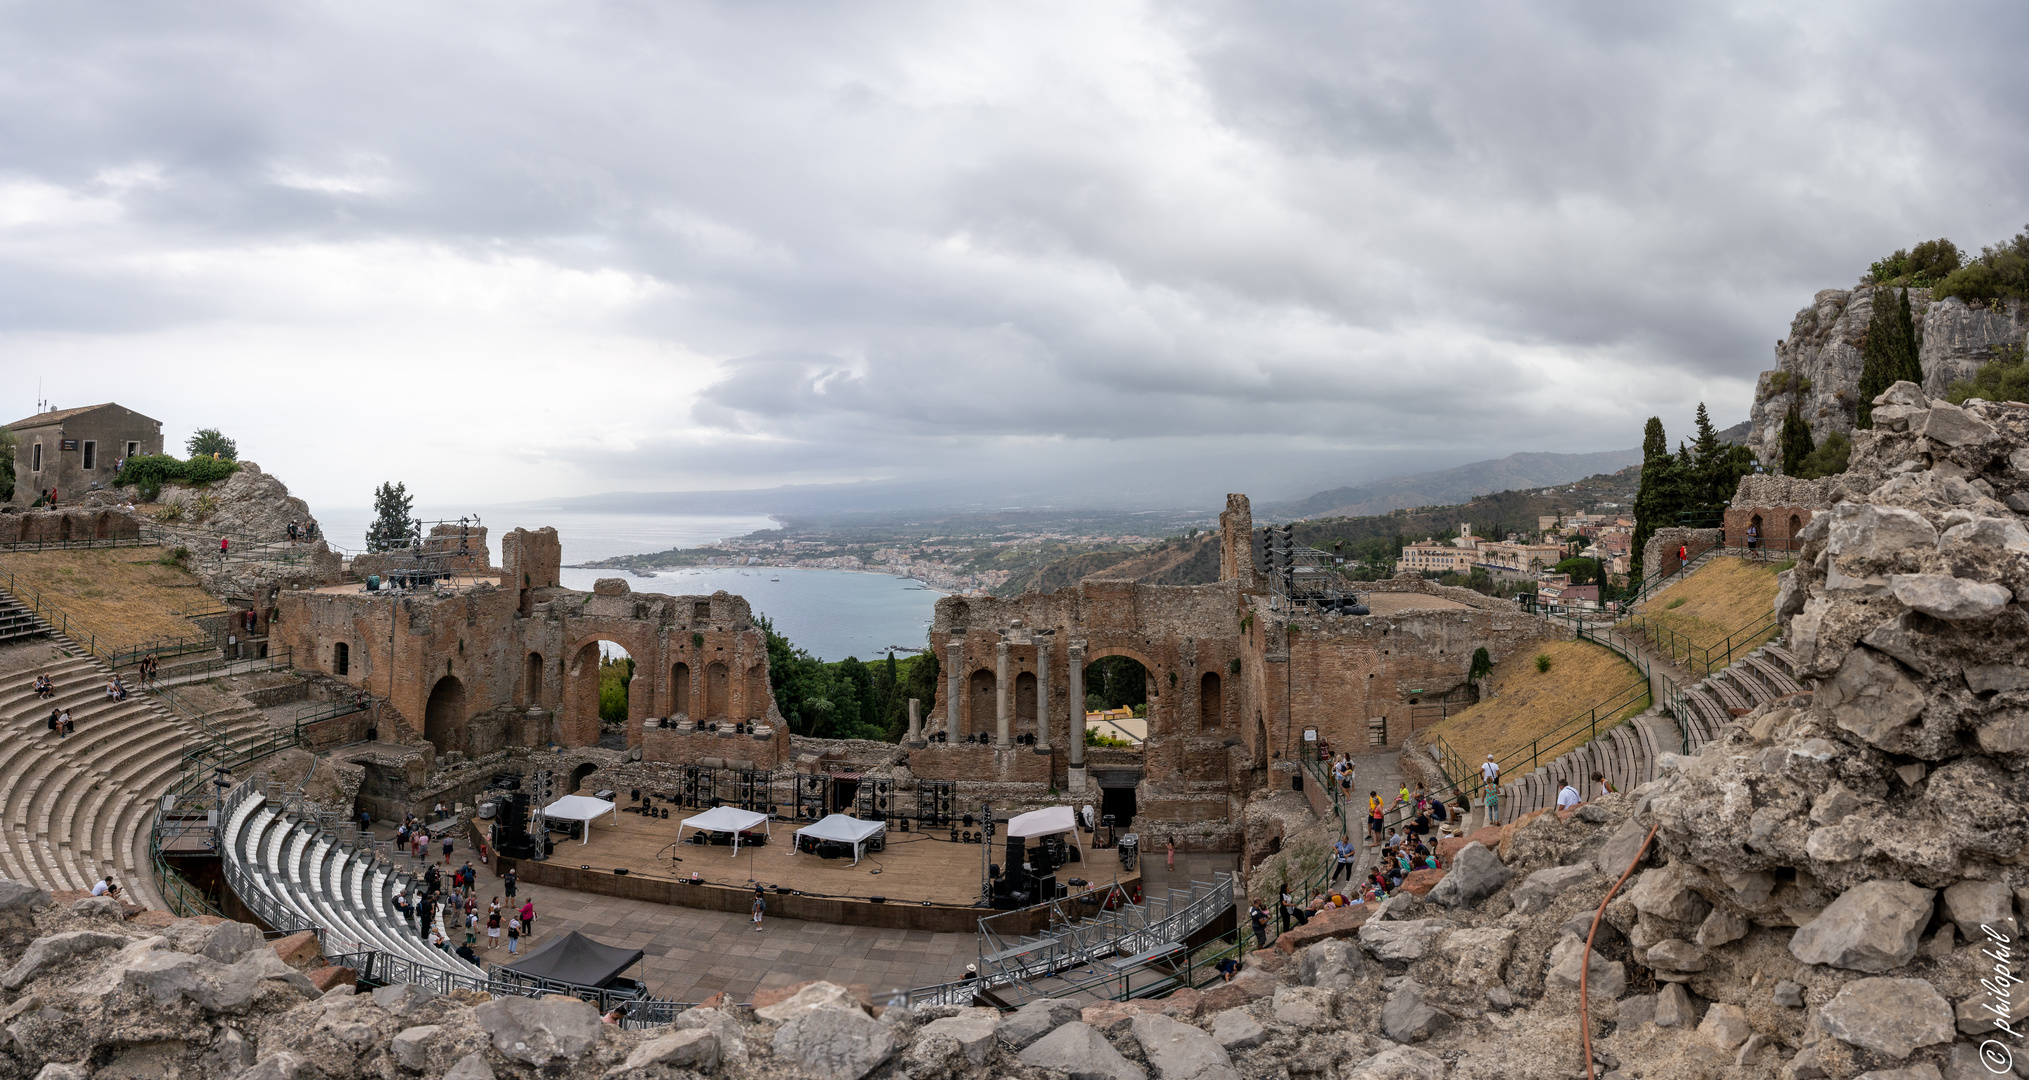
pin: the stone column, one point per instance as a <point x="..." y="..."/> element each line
<point x="954" y="683"/>
<point x="1076" y="696"/>
<point x="1042" y="694"/>
<point x="1003" y="692"/>
<point x="915" y="721"/>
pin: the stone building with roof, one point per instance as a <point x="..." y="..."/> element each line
<point x="74" y="450"/>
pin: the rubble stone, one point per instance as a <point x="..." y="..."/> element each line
<point x="1872" y="927"/>
<point x="836" y="1043"/>
<point x="1401" y="941"/>
<point x="1036" y="1019"/>
<point x="1473" y="876"/>
<point x="1400" y="1063"/>
<point x="1235" y="1029"/>
<point x="1408" y="1018"/>
<point x="1079" y="1052"/>
<point x="1303" y="1006"/>
<point x="540" y="1031"/>
<point x="1891" y="1017"/>
<point x="1180" y="1052"/>
<point x="1725" y="1026"/>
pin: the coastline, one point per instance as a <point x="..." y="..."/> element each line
<point x="910" y="576"/>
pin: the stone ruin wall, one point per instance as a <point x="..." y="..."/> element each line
<point x="517" y="666"/>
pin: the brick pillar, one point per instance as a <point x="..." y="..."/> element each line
<point x="1042" y="695"/>
<point x="1077" y="702"/>
<point x="954" y="687"/>
<point x="1003" y="692"/>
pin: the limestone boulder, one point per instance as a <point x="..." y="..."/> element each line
<point x="1080" y="1052"/>
<point x="1180" y="1052"/>
<point x="402" y="999"/>
<point x="470" y="1067"/>
<point x="1877" y="533"/>
<point x="1035" y="1020"/>
<point x="231" y="942"/>
<point x="1409" y="1017"/>
<point x="1236" y="1029"/>
<point x="1478" y="955"/>
<point x="972" y="1033"/>
<point x="540" y="1031"/>
<point x="1871" y="697"/>
<point x="1977" y="906"/>
<point x="815" y="995"/>
<point x="1725" y="1026"/>
<point x="1942" y="596"/>
<point x="411" y="1047"/>
<point x="1950" y="425"/>
<point x="1613" y="857"/>
<point x="1473" y="876"/>
<point x="730" y="1032"/>
<point x="1606" y="978"/>
<point x="1303" y="1006"/>
<point x="99" y="907"/>
<point x="835" y="1043"/>
<point x="1402" y="942"/>
<point x="1399" y="1063"/>
<point x="1875" y="927"/>
<point x="1540" y="889"/>
<point x="1663" y="893"/>
<point x="1675" y="954"/>
<point x="1332" y="965"/>
<point x="1891" y="1017"/>
<point x="47" y="953"/>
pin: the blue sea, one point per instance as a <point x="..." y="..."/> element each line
<point x="832" y="614"/>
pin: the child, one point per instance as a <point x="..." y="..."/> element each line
<point x="760" y="908"/>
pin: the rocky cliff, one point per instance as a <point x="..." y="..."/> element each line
<point x="1818" y="364"/>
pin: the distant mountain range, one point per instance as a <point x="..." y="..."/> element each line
<point x="1448" y="486"/>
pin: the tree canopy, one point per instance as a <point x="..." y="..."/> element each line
<point x="205" y="442"/>
<point x="392" y="526"/>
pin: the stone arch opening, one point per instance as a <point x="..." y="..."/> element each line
<point x="598" y="691"/>
<point x="1118" y="693"/>
<point x="63" y="528"/>
<point x="444" y="716"/>
<point x="1211" y="702"/>
<point x="531" y="679"/>
<point x="1025" y="704"/>
<point x="1796" y="525"/>
<point x="679" y="690"/>
<point x="341" y="659"/>
<point x="981" y="708"/>
<point x="579" y="773"/>
<point x="718" y="691"/>
<point x="1754" y="530"/>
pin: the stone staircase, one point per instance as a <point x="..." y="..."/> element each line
<point x="303" y="871"/>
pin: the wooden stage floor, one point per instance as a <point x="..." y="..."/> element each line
<point x="915" y="866"/>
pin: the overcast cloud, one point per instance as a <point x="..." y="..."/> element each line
<point x="507" y="251"/>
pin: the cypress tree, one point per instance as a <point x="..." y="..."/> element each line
<point x="1910" y="364"/>
<point x="392" y="527"/>
<point x="1796" y="442"/>
<point x="1652" y="508"/>
<point x="1879" y="363"/>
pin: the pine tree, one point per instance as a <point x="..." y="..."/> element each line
<point x="392" y="528"/>
<point x="1796" y="442"/>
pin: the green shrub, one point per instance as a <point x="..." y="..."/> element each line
<point x="150" y="471"/>
<point x="1999" y="272"/>
<point x="1925" y="264"/>
<point x="1482" y="665"/>
<point x="1829" y="459"/>
<point x="1543" y="663"/>
<point x="2004" y="378"/>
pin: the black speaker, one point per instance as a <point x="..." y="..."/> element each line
<point x="1014" y="853"/>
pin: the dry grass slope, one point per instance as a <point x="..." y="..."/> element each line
<point x="1717" y="601"/>
<point x="1530" y="712"/>
<point x="121" y="595"/>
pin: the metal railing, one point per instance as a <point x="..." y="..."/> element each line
<point x="1593" y="721"/>
<point x="1077" y="937"/>
<point x="1700" y="659"/>
<point x="73" y="545"/>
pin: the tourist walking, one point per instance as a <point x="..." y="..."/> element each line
<point x="447" y="849"/>
<point x="510" y="881"/>
<point x="513" y="936"/>
<point x="760" y="907"/>
<point x="1375" y="813"/>
<point x="1493" y="801"/>
<point x="1259" y="919"/>
<point x="1170" y="852"/>
<point x="1347" y="854"/>
<point x="528" y="918"/>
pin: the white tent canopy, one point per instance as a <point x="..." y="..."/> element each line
<point x="580" y="808"/>
<point x="844" y="829"/>
<point x="1047" y="822"/>
<point x="728" y="819"/>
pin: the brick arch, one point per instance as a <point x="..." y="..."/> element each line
<point x="578" y="714"/>
<point x="1160" y="705"/>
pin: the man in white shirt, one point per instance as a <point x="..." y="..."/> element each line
<point x="1567" y="796"/>
<point x="106" y="888"/>
<point x="1490" y="772"/>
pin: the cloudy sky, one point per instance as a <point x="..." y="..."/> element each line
<point x="517" y="250"/>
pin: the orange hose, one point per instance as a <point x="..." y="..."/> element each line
<point x="1585" y="958"/>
